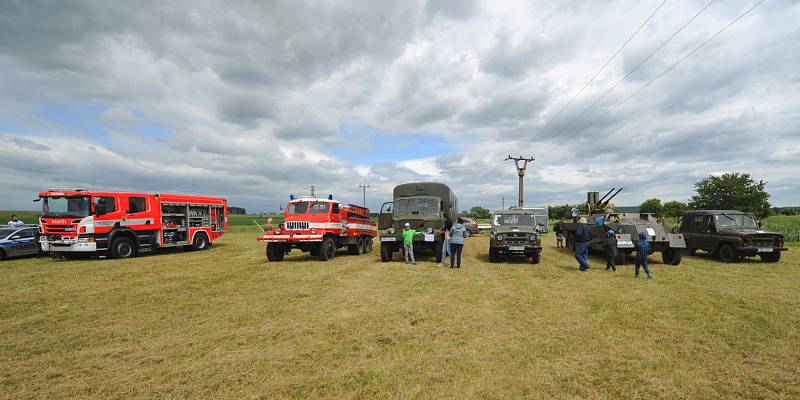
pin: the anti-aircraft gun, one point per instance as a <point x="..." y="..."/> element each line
<point x="627" y="227"/>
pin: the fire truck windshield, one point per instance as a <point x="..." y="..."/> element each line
<point x="303" y="207"/>
<point x="58" y="206"/>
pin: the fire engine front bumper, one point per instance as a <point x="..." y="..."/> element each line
<point x="290" y="238"/>
<point x="71" y="245"/>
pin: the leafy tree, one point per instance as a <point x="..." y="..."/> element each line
<point x="479" y="212"/>
<point x="731" y="192"/>
<point x="652" y="206"/>
<point x="674" y="209"/>
<point x="556" y="212"/>
<point x="236" y="210"/>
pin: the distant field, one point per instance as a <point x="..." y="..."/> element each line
<point x="223" y="323"/>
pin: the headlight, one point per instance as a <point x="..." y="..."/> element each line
<point x="499" y="238"/>
<point x="390" y="231"/>
<point x="533" y="237"/>
<point x="314" y="231"/>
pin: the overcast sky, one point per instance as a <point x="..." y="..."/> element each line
<point x="256" y="100"/>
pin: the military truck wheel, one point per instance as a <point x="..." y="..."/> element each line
<point x="770" y="257"/>
<point x="621" y="258"/>
<point x="122" y="247"/>
<point x="671" y="256"/>
<point x="327" y="249"/>
<point x="536" y="258"/>
<point x="727" y="254"/>
<point x="368" y="245"/>
<point x="493" y="256"/>
<point x="275" y="252"/>
<point x="386" y="253"/>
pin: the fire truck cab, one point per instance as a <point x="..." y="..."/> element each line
<point x="320" y="226"/>
<point x="78" y="222"/>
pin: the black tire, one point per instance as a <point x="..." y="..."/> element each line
<point x="386" y="253"/>
<point x="275" y="252"/>
<point x="200" y="241"/>
<point x="536" y="258"/>
<point x="671" y="256"/>
<point x="770" y="257"/>
<point x="122" y="247"/>
<point x="327" y="249"/>
<point x="727" y="254"/>
<point x="368" y="245"/>
<point x="494" y="256"/>
<point x="362" y="245"/>
<point x="354" y="249"/>
<point x="621" y="258"/>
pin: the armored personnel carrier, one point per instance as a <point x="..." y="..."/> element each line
<point x="515" y="232"/>
<point x="627" y="227"/>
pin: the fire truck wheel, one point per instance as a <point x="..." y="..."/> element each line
<point x="386" y="253"/>
<point x="122" y="247"/>
<point x="368" y="245"/>
<point x="328" y="249"/>
<point x="200" y="242"/>
<point x="355" y="249"/>
<point x="275" y="252"/>
<point x="362" y="245"/>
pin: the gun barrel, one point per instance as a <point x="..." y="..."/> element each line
<point x="605" y="195"/>
<point x="605" y="203"/>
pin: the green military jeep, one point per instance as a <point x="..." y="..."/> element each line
<point x="730" y="235"/>
<point x="514" y="232"/>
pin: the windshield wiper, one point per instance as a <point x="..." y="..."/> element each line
<point x="729" y="217"/>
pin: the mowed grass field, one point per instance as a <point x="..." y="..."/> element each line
<point x="224" y="323"/>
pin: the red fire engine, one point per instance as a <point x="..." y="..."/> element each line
<point x="320" y="226"/>
<point x="78" y="222"/>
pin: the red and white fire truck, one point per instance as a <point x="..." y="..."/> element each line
<point x="77" y="222"/>
<point x="320" y="226"/>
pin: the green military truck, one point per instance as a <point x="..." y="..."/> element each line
<point x="730" y="235"/>
<point x="426" y="206"/>
<point x="515" y="232"/>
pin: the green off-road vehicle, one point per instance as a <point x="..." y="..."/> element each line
<point x="515" y="232"/>
<point x="730" y="235"/>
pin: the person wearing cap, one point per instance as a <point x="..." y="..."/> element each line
<point x="642" y="251"/>
<point x="583" y="236"/>
<point x="610" y="246"/>
<point x="15" y="221"/>
<point x="408" y="242"/>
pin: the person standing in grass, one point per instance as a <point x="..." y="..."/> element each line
<point x="559" y="230"/>
<point x="445" y="233"/>
<point x="15" y="221"/>
<point x="610" y="246"/>
<point x="642" y="251"/>
<point x="408" y="242"/>
<point x="583" y="236"/>
<point x="457" y="235"/>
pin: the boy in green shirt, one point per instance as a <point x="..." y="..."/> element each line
<point x="408" y="242"/>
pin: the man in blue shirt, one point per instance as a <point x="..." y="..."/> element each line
<point x="642" y="251"/>
<point x="583" y="236"/>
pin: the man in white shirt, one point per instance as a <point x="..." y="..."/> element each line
<point x="15" y="221"/>
<point x="576" y="212"/>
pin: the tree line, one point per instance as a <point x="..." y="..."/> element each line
<point x="730" y="191"/>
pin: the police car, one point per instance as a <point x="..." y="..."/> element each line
<point x="19" y="241"/>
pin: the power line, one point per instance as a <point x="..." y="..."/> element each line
<point x="636" y="68"/>
<point x="650" y="82"/>
<point x="596" y="74"/>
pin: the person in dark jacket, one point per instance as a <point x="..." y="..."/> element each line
<point x="583" y="236"/>
<point x="642" y="251"/>
<point x="610" y="246"/>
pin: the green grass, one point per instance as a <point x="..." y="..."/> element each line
<point x="223" y="323"/>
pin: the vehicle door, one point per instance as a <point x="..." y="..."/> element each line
<point x="23" y="242"/>
<point x="138" y="213"/>
<point x="386" y="218"/>
<point x="708" y="233"/>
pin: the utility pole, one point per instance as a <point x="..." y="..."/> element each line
<point x="364" y="189"/>
<point x="312" y="191"/>
<point x="521" y="163"/>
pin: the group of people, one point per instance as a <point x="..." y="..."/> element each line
<point x="15" y="221"/>
<point x="583" y="238"/>
<point x="452" y="236"/>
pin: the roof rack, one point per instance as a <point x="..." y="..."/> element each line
<point x="66" y="189"/>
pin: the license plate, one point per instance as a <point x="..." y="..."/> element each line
<point x="429" y="237"/>
<point x="388" y="239"/>
<point x="765" y="250"/>
<point x="516" y="248"/>
<point x="69" y="229"/>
